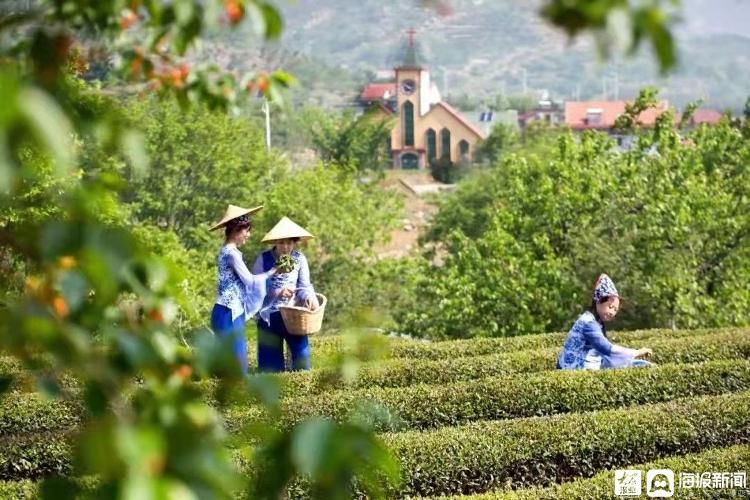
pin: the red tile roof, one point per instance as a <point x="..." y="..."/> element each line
<point x="705" y="116"/>
<point x="457" y="114"/>
<point x="580" y="114"/>
<point x="377" y="91"/>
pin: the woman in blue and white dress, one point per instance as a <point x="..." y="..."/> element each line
<point x="587" y="345"/>
<point x="282" y="289"/>
<point x="240" y="293"/>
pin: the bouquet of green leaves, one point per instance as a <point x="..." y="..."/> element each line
<point x="285" y="264"/>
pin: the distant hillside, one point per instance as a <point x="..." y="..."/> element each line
<point x="490" y="47"/>
<point x="484" y="47"/>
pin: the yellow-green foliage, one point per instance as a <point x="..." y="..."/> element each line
<point x="514" y="396"/>
<point x="404" y="372"/>
<point x="730" y="459"/>
<point x="540" y="451"/>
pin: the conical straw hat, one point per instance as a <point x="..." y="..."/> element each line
<point x="233" y="211"/>
<point x="286" y="228"/>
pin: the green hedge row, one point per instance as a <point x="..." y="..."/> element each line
<point x="19" y="490"/>
<point x="397" y="348"/>
<point x="403" y="372"/>
<point x="730" y="459"/>
<point x="402" y="349"/>
<point x="484" y="456"/>
<point x="29" y="412"/>
<point x="34" y="456"/>
<point x="22" y="379"/>
<point x="528" y="395"/>
<point x="483" y="346"/>
<point x="26" y="489"/>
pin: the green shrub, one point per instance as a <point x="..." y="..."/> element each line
<point x="405" y="372"/>
<point x="540" y="451"/>
<point x="29" y="490"/>
<point x="9" y="365"/>
<point x="329" y="345"/>
<point x="30" y="457"/>
<point x="429" y="406"/>
<point x="444" y="170"/>
<point x="22" y="412"/>
<point x="730" y="459"/>
<point x="19" y="490"/>
<point x="489" y="345"/>
<point x="29" y="412"/>
<point x="23" y="379"/>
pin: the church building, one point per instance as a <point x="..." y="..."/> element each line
<point x="426" y="128"/>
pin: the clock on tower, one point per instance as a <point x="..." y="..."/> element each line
<point x="408" y="87"/>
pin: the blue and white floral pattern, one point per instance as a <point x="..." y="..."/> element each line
<point x="298" y="279"/>
<point x="585" y="335"/>
<point x="238" y="290"/>
<point x="604" y="287"/>
<point x="287" y="280"/>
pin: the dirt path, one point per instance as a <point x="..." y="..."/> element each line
<point x="417" y="211"/>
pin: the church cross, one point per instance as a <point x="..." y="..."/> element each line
<point x="411" y="34"/>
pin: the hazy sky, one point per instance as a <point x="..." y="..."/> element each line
<point x="716" y="16"/>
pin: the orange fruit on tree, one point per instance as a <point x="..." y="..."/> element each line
<point x="263" y="82"/>
<point x="66" y="262"/>
<point x="128" y="19"/>
<point x="156" y="315"/>
<point x="60" y="307"/>
<point x="184" y="371"/>
<point x="233" y="10"/>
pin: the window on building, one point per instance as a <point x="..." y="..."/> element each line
<point x="593" y="116"/>
<point x="445" y="143"/>
<point x="408" y="123"/>
<point x="431" y="141"/>
<point x="463" y="148"/>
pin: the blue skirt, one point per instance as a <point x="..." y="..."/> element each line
<point x="232" y="332"/>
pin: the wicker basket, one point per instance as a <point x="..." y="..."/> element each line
<point x="302" y="321"/>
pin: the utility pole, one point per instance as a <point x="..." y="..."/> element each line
<point x="267" y="110"/>
<point x="617" y="85"/>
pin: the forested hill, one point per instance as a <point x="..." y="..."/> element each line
<point x="484" y="47"/>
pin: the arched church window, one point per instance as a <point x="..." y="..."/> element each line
<point x="463" y="148"/>
<point x="431" y="141"/>
<point x="445" y="143"/>
<point x="408" y="123"/>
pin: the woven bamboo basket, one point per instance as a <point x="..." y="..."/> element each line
<point x="302" y="321"/>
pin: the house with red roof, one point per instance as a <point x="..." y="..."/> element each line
<point x="602" y="115"/>
<point x="378" y="93"/>
<point x="704" y="116"/>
